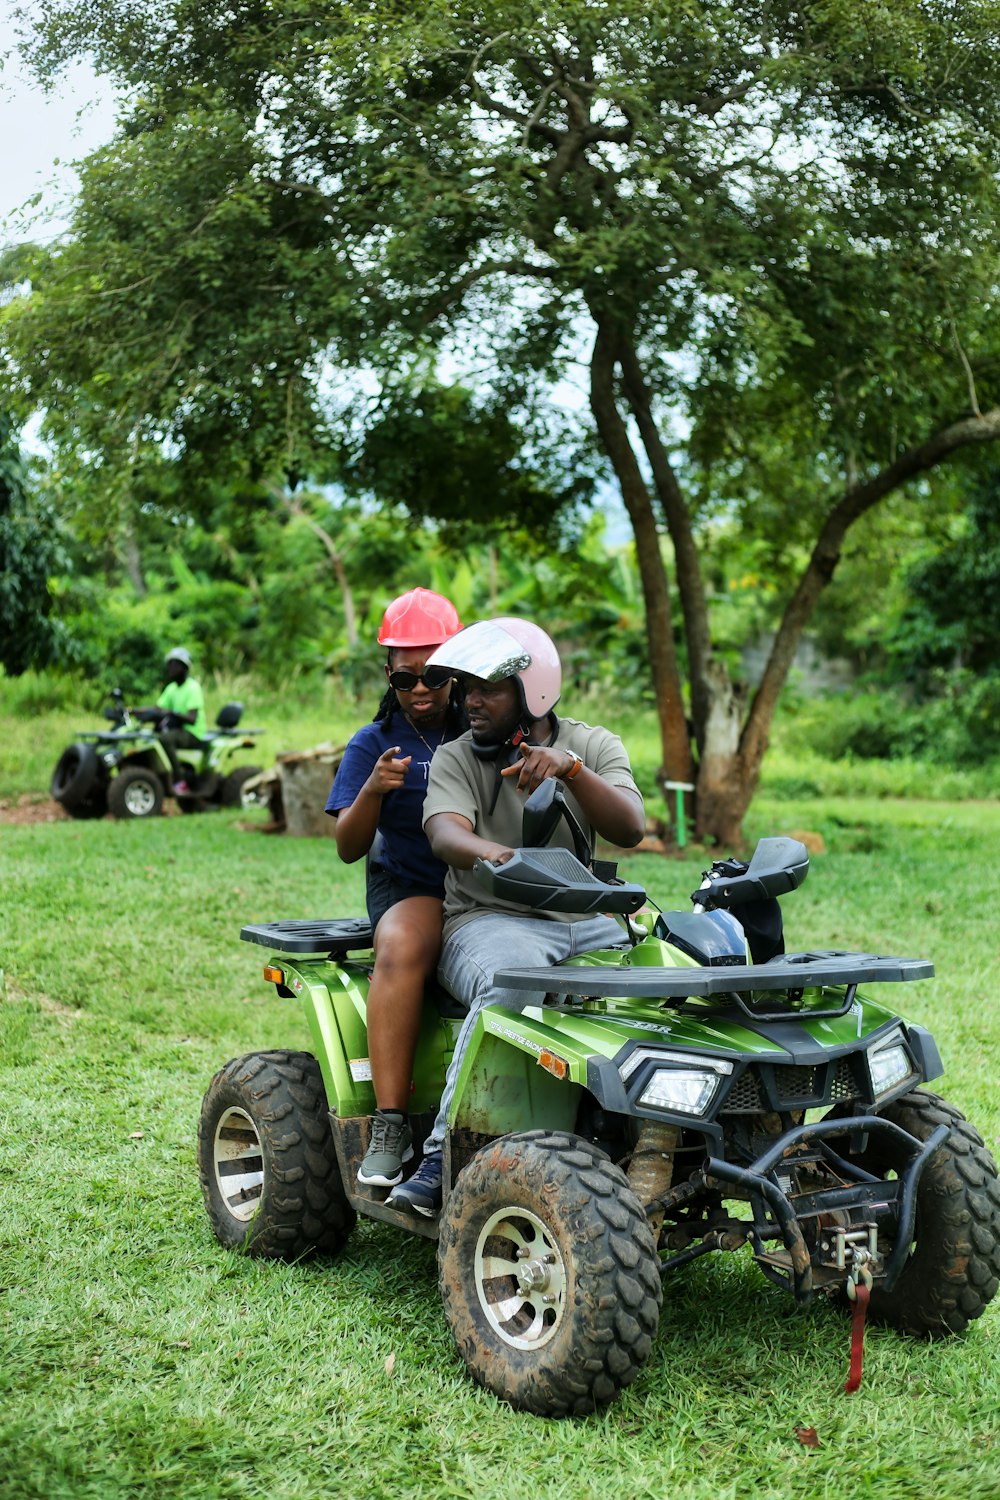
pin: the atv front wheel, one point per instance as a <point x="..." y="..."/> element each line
<point x="135" y="792"/>
<point x="953" y="1270"/>
<point x="548" y="1273"/>
<point x="267" y="1161"/>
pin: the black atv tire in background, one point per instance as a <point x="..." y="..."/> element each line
<point x="266" y="1158"/>
<point x="231" y="793"/>
<point x="548" y="1273"/>
<point x="136" y="792"/>
<point x="954" y="1267"/>
<point x="75" y="779"/>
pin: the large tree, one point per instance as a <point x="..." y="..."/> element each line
<point x="768" y="231"/>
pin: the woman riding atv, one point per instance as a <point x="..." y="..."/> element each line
<point x="379" y="789"/>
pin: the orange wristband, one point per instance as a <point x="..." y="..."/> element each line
<point x="574" y="769"/>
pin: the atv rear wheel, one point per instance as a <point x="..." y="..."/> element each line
<point x="548" y="1273"/>
<point x="136" y="792"/>
<point x="953" y="1270"/>
<point x="75" y="778"/>
<point x="267" y="1161"/>
<point x="231" y="791"/>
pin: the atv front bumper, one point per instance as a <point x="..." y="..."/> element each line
<point x="831" y="1217"/>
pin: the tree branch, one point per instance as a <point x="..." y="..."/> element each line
<point x="456" y="290"/>
<point x="689" y="578"/>
<point x="971" y="379"/>
<point x="826" y="555"/>
<point x="653" y="575"/>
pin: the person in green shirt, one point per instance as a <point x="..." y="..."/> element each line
<point x="180" y="712"/>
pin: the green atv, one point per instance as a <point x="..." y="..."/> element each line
<point x="666" y="1099"/>
<point x="126" y="771"/>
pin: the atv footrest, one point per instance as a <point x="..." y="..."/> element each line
<point x="334" y="937"/>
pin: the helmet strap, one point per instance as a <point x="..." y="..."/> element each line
<point x="518" y="738"/>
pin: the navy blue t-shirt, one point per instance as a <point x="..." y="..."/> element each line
<point x="407" y="854"/>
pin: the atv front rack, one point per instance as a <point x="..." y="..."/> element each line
<point x="793" y="972"/>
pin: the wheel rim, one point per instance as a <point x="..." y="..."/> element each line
<point x="239" y="1164"/>
<point x="140" y="798"/>
<point x="520" y="1278"/>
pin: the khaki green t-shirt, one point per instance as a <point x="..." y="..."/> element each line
<point x="464" y="783"/>
<point x="181" y="698"/>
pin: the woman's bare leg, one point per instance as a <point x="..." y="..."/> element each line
<point x="407" y="944"/>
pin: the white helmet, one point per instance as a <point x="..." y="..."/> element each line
<point x="508" y="647"/>
<point x="179" y="654"/>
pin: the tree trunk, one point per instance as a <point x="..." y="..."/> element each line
<point x="723" y="792"/>
<point x="674" y="740"/>
<point x="131" y="556"/>
<point x="690" y="585"/>
<point x="306" y="778"/>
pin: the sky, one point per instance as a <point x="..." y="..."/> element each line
<point x="42" y="134"/>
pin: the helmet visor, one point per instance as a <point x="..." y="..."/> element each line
<point x="486" y="651"/>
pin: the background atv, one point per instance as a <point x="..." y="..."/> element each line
<point x="125" y="770"/>
<point x="667" y="1099"/>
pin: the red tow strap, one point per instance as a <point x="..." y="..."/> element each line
<point x="861" y="1295"/>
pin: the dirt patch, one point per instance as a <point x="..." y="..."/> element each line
<point x="31" y="807"/>
<point x="35" y="807"/>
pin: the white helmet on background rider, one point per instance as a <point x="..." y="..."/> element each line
<point x="508" y="647"/>
<point x="179" y="654"/>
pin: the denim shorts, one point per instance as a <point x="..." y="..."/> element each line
<point x="384" y="890"/>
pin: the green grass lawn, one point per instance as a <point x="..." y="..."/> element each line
<point x="138" y="1359"/>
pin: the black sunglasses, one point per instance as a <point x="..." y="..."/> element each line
<point x="431" y="677"/>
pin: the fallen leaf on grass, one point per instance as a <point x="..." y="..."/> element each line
<point x="390" y="1364"/>
<point x="807" y="1437"/>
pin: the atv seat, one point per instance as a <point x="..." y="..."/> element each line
<point x="226" y="721"/>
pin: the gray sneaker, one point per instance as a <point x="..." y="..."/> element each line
<point x="391" y="1145"/>
<point x="422" y="1193"/>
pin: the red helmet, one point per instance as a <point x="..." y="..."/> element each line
<point x="419" y="618"/>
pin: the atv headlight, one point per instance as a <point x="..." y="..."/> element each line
<point x="687" y="1090"/>
<point x="111" y="758"/>
<point x="688" y="1087"/>
<point x="889" y="1064"/>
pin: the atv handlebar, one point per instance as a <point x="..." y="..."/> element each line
<point x="778" y="865"/>
<point x="555" y="880"/>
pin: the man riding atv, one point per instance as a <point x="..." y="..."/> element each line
<point x="512" y="679"/>
<point x="179" y="714"/>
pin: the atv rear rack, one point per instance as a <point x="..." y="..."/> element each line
<point x="332" y="937"/>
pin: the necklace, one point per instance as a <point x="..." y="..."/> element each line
<point x="430" y="748"/>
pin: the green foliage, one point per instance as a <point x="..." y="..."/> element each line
<point x="443" y="455"/>
<point x="784" y="215"/>
<point x="955" y="729"/>
<point x="797" y="207"/>
<point x="952" y="609"/>
<point x="30" y="552"/>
